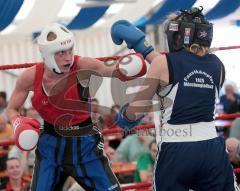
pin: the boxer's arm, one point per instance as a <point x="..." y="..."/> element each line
<point x="131" y="114"/>
<point x="23" y="85"/>
<point x="128" y="67"/>
<point x="158" y="74"/>
<point x="152" y="55"/>
<point x="26" y="130"/>
<point x="222" y="79"/>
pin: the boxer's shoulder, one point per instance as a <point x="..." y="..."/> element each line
<point x="26" y="79"/>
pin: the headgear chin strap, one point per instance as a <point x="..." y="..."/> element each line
<point x="64" y="41"/>
<point x="189" y="27"/>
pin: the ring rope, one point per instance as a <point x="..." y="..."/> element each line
<point x="141" y="185"/>
<point x="26" y="65"/>
<point x="151" y="126"/>
<point x="137" y="128"/>
<point x="224" y="48"/>
<point x="227" y="116"/>
<point x="236" y="170"/>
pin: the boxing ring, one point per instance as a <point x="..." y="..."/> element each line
<point x="144" y="186"/>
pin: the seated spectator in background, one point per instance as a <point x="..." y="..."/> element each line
<point x="23" y="111"/>
<point x="32" y="113"/>
<point x="144" y="169"/>
<point x="6" y="134"/>
<point x="3" y="101"/>
<point x="110" y="122"/>
<point x="148" y="118"/>
<point x="231" y="100"/>
<point x="231" y="104"/>
<point x="3" y="120"/>
<point x="96" y="114"/>
<point x="132" y="147"/>
<point x="26" y="158"/>
<point x="109" y="151"/>
<point x="3" y="105"/>
<point x="109" y="119"/>
<point x="233" y="147"/>
<point x="234" y="131"/>
<point x="14" y="171"/>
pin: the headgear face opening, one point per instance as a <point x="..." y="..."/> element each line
<point x="64" y="40"/>
<point x="189" y="27"/>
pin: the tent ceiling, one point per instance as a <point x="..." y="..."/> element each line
<point x="141" y="12"/>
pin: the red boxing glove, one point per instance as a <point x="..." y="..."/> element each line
<point x="26" y="132"/>
<point x="131" y="66"/>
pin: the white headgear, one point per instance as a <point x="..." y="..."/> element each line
<point x="64" y="41"/>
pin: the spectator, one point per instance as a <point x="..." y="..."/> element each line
<point x="144" y="169"/>
<point x="3" y="105"/>
<point x="96" y="115"/>
<point x="109" y="121"/>
<point x="231" y="100"/>
<point x="233" y="147"/>
<point x="3" y="120"/>
<point x="14" y="171"/>
<point x="6" y="133"/>
<point x="26" y="158"/>
<point x="110" y="152"/>
<point x="231" y="104"/>
<point x="132" y="147"/>
<point x="22" y="111"/>
<point x="32" y="113"/>
<point x="3" y="101"/>
<point x="147" y="119"/>
<point x="234" y="131"/>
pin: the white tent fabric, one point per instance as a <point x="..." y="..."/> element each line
<point x="132" y="11"/>
<point x="228" y="20"/>
<point x="42" y="13"/>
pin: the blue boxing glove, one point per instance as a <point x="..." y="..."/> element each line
<point x="124" y="122"/>
<point x="123" y="30"/>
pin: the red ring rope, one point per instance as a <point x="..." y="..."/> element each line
<point x="236" y="170"/>
<point x="227" y="116"/>
<point x="139" y="127"/>
<point x="26" y="65"/>
<point x="141" y="185"/>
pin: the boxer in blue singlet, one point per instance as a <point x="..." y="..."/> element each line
<point x="187" y="81"/>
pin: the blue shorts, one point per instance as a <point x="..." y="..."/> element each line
<point x="200" y="166"/>
<point x="79" y="157"/>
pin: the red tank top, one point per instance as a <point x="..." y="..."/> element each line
<point x="65" y="108"/>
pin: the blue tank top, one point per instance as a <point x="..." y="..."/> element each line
<point x="194" y="87"/>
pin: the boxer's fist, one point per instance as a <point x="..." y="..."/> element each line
<point x="26" y="132"/>
<point x="123" y="30"/>
<point x="123" y="122"/>
<point x="131" y="66"/>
